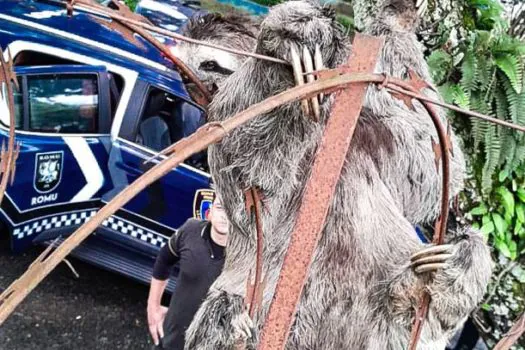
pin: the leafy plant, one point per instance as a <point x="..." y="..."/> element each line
<point x="131" y="4"/>
<point x="485" y="73"/>
<point x="491" y="82"/>
<point x="501" y="217"/>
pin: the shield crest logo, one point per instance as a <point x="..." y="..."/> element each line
<point x="48" y="171"/>
<point x="202" y="203"/>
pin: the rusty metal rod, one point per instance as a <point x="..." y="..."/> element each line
<point x="439" y="235"/>
<point x="88" y="8"/>
<point x="318" y="195"/>
<point x="460" y="110"/>
<point x="137" y="27"/>
<point x="253" y="299"/>
<point x="513" y="335"/>
<point x="13" y="295"/>
<point x="206" y="135"/>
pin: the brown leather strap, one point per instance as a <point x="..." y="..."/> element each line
<point x="319" y="192"/>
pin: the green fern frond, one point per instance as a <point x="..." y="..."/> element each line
<point x="469" y="71"/>
<point x="520" y="108"/>
<point x="511" y="66"/>
<point x="448" y="92"/>
<point x="502" y="105"/>
<point x="519" y="156"/>
<point x="492" y="153"/>
<point x="461" y="98"/>
<point x="479" y="127"/>
<point x="508" y="147"/>
<point x="439" y="63"/>
<point x="484" y="73"/>
<point x="513" y="100"/>
<point x="507" y="44"/>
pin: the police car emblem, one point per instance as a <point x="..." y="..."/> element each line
<point x="48" y="171"/>
<point x="202" y="203"/>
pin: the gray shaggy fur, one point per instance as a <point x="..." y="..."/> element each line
<point x="230" y="30"/>
<point x="361" y="291"/>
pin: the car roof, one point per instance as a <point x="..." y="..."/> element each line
<point x="46" y="23"/>
<point x="167" y="14"/>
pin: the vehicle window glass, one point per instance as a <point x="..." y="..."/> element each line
<point x="63" y="103"/>
<point x="19" y="106"/>
<point x="165" y="120"/>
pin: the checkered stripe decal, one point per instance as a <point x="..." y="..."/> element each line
<point x="129" y="229"/>
<point x="53" y="222"/>
<point x="79" y="218"/>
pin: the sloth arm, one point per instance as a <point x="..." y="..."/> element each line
<point x="455" y="290"/>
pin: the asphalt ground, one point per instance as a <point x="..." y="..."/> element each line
<point x="99" y="310"/>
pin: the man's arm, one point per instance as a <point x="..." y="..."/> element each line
<point x="161" y="271"/>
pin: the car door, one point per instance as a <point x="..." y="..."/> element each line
<point x="63" y="123"/>
<point x="156" y="119"/>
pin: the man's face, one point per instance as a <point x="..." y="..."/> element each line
<point x="218" y="218"/>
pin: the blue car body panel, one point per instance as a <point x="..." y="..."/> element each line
<point x="93" y="168"/>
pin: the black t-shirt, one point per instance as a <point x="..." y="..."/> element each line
<point x="200" y="263"/>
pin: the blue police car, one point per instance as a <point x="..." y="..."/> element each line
<point x="94" y="104"/>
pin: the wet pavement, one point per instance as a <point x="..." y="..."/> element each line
<point x="99" y="310"/>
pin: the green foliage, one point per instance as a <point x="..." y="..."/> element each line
<point x="482" y="14"/>
<point x="502" y="215"/>
<point x="131" y="4"/>
<point x="485" y="73"/>
<point x="347" y="22"/>
<point x="491" y="82"/>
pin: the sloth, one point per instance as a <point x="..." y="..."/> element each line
<point x="211" y="65"/>
<point x="369" y="269"/>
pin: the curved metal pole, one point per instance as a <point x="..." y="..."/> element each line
<point x="139" y="27"/>
<point x="206" y="135"/>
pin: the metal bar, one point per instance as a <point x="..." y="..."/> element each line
<point x="206" y="135"/>
<point x="319" y="191"/>
<point x="439" y="234"/>
<point x="513" y="334"/>
<point x="103" y="11"/>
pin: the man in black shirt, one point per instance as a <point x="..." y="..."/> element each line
<point x="198" y="246"/>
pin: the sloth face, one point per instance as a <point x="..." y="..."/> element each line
<point x="211" y="65"/>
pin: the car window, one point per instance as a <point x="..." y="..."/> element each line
<point x="65" y="103"/>
<point x="165" y="120"/>
<point x="19" y="107"/>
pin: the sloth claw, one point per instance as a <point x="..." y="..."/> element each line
<point x="429" y="268"/>
<point x="431" y="259"/>
<point x="319" y="65"/>
<point x="421" y="6"/>
<point x="309" y="68"/>
<point x="304" y="67"/>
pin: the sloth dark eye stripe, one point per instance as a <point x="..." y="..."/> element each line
<point x="213" y="66"/>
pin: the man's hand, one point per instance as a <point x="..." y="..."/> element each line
<point x="156" y="316"/>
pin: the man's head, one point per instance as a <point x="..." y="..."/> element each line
<point x="218" y="218"/>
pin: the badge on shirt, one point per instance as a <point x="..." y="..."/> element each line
<point x="202" y="203"/>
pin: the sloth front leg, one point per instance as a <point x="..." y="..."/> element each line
<point x="220" y="323"/>
<point x="459" y="285"/>
<point x="456" y="276"/>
